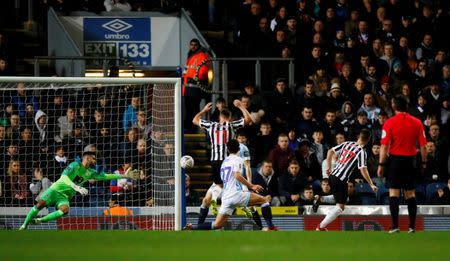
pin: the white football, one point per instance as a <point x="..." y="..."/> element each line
<point x="186" y="162"/>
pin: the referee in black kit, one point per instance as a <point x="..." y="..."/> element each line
<point x="399" y="139"/>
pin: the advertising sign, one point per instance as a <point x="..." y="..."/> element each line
<point x="128" y="38"/>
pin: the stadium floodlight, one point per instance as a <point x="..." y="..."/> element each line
<point x="126" y="120"/>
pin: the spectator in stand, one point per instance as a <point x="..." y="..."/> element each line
<point x="420" y="109"/>
<point x="41" y="134"/>
<point x="426" y="49"/>
<point x="291" y="185"/>
<point x="22" y="98"/>
<point x="130" y="114"/>
<point x="361" y="122"/>
<point x="353" y="197"/>
<point x="13" y="131"/>
<point x="293" y="139"/>
<point x="256" y="99"/>
<point x="433" y="171"/>
<point x="309" y="165"/>
<point x="347" y="116"/>
<point x="4" y="69"/>
<point x="66" y="124"/>
<point x="16" y="186"/>
<point x="325" y="187"/>
<point x="75" y="143"/>
<point x="268" y="180"/>
<point x="309" y="99"/>
<point x="384" y="95"/>
<point x="281" y="105"/>
<point x="363" y="35"/>
<point x="321" y="81"/>
<point x="281" y="155"/>
<point x="444" y="82"/>
<point x="445" y="111"/>
<point x="130" y="142"/>
<point x="373" y="159"/>
<point x="122" y="188"/>
<point x="192" y="197"/>
<point x="117" y="6"/>
<point x="370" y="108"/>
<point x="318" y="147"/>
<point x="57" y="163"/>
<point x="141" y="125"/>
<point x="264" y="142"/>
<point x="421" y="75"/>
<point x="387" y="34"/>
<point x="378" y="125"/>
<point x="39" y="183"/>
<point x="329" y="127"/>
<point x="434" y="97"/>
<point x="335" y="99"/>
<point x="28" y="151"/>
<point x="11" y="153"/>
<point x="388" y="58"/>
<point x="377" y="48"/>
<point x="346" y="79"/>
<point x="358" y="92"/>
<point x="307" y="122"/>
<point x="280" y="20"/>
<point x="443" y="195"/>
<point x="262" y="43"/>
<point x="2" y="137"/>
<point x="306" y="197"/>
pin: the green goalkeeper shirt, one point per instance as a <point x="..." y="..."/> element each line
<point x="78" y="174"/>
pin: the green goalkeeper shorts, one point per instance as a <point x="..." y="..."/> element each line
<point x="53" y="198"/>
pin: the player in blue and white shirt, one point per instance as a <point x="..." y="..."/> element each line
<point x="233" y="194"/>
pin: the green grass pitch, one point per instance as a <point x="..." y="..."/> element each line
<point x="222" y="245"/>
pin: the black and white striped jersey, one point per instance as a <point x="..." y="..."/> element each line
<point x="219" y="135"/>
<point x="349" y="155"/>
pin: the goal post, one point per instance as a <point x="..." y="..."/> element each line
<point x="117" y="128"/>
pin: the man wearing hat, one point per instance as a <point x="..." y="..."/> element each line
<point x="70" y="182"/>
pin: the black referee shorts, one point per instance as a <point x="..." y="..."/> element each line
<point x="401" y="172"/>
<point x="339" y="189"/>
<point x="215" y="169"/>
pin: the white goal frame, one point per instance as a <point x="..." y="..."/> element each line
<point x="179" y="211"/>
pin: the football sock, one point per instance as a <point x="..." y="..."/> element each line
<point x="328" y="199"/>
<point x="33" y="212"/>
<point x="52" y="216"/>
<point x="267" y="214"/>
<point x="203" y="214"/>
<point x="332" y="215"/>
<point x="394" y="208"/>
<point x="257" y="218"/>
<point x="412" y="211"/>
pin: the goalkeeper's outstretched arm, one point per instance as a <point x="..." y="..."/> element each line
<point x="130" y="174"/>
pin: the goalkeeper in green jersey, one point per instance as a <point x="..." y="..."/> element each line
<point x="70" y="182"/>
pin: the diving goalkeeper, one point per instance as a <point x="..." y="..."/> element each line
<point x="70" y="182"/>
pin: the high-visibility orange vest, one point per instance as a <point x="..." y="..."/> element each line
<point x="117" y="211"/>
<point x="191" y="67"/>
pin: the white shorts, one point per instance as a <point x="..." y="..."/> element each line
<point x="238" y="199"/>
<point x="216" y="191"/>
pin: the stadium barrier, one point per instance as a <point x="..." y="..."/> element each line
<point x="355" y="218"/>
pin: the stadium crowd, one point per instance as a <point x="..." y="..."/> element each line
<point x="351" y="57"/>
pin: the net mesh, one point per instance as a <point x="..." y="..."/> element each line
<point x="46" y="126"/>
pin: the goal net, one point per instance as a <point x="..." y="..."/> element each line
<point x="47" y="123"/>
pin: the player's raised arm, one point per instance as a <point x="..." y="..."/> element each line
<point x="247" y="118"/>
<point x="198" y="116"/>
<point x="130" y="174"/>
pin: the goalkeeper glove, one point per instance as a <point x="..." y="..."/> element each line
<point x="131" y="174"/>
<point x="80" y="190"/>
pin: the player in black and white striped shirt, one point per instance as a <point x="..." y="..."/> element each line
<point x="219" y="134"/>
<point x="349" y="155"/>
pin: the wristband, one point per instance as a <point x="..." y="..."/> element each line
<point x="382" y="164"/>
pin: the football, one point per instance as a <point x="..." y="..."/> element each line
<point x="186" y="162"/>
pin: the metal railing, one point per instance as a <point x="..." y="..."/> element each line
<point x="105" y="62"/>
<point x="221" y="69"/>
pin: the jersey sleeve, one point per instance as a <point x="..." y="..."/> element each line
<point x="237" y="124"/>
<point x="362" y="159"/>
<point x="339" y="147"/>
<point x="204" y="124"/>
<point x="386" y="133"/>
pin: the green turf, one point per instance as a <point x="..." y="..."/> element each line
<point x="222" y="245"/>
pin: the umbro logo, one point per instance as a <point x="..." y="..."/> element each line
<point x="117" y="25"/>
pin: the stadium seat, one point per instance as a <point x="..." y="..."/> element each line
<point x="368" y="197"/>
<point x="432" y="188"/>
<point x="420" y="194"/>
<point x="382" y="195"/>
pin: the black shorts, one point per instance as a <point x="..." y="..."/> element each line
<point x="339" y="189"/>
<point x="401" y="172"/>
<point x="215" y="171"/>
